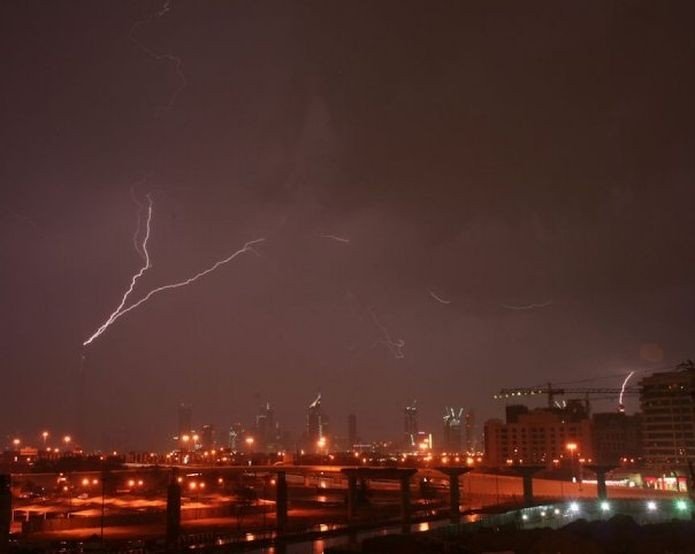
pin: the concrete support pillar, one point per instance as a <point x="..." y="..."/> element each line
<point x="173" y="530"/>
<point x="600" y="471"/>
<point x="528" y="488"/>
<point x="405" y="499"/>
<point x="352" y="496"/>
<point x="5" y="512"/>
<point x="454" y="496"/>
<point x="454" y="474"/>
<point x="526" y="473"/>
<point x="281" y="501"/>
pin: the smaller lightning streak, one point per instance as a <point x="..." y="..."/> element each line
<point x="173" y="60"/>
<point x="136" y="234"/>
<point x="396" y="347"/>
<point x="336" y="238"/>
<point x="248" y="247"/>
<point x="622" y="390"/>
<point x="438" y="298"/>
<point x="528" y="306"/>
<point x="141" y="249"/>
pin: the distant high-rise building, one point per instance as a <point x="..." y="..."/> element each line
<point x="352" y="430"/>
<point x="316" y="425"/>
<point x="410" y="427"/>
<point x="452" y="430"/>
<point x="185" y="424"/>
<point x="469" y="429"/>
<point x="207" y="437"/>
<point x="236" y="437"/>
<point x="266" y="432"/>
<point x="668" y="416"/>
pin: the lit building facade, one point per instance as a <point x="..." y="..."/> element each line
<point x="541" y="436"/>
<point x="668" y="426"/>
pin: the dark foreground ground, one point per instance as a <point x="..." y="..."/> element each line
<point x="619" y="535"/>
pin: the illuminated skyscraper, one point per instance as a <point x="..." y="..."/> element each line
<point x="316" y="423"/>
<point x="410" y="430"/>
<point x="452" y="430"/>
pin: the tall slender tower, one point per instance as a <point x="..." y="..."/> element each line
<point x="352" y="430"/>
<point x="316" y="424"/>
<point x="410" y="427"/>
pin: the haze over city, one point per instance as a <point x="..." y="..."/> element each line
<point x="453" y="201"/>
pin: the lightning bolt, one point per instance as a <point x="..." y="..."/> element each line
<point x="438" y="298"/>
<point x="141" y="249"/>
<point x="136" y="235"/>
<point x="121" y="310"/>
<point x="169" y="58"/>
<point x="622" y="389"/>
<point x="528" y="306"/>
<point x="395" y="346"/>
<point x="336" y="238"/>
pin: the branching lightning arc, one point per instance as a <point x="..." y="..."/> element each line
<point x="121" y="310"/>
<point x="171" y="59"/>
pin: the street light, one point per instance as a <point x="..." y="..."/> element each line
<point x="44" y="435"/>
<point x="16" y="443"/>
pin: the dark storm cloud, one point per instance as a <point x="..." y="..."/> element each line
<point x="496" y="153"/>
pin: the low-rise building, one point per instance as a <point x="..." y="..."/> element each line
<point x="544" y="436"/>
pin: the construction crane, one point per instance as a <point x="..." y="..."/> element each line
<point x="551" y="392"/>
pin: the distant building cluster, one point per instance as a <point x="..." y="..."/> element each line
<point x="564" y="436"/>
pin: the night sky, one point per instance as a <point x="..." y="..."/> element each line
<point x="528" y="163"/>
